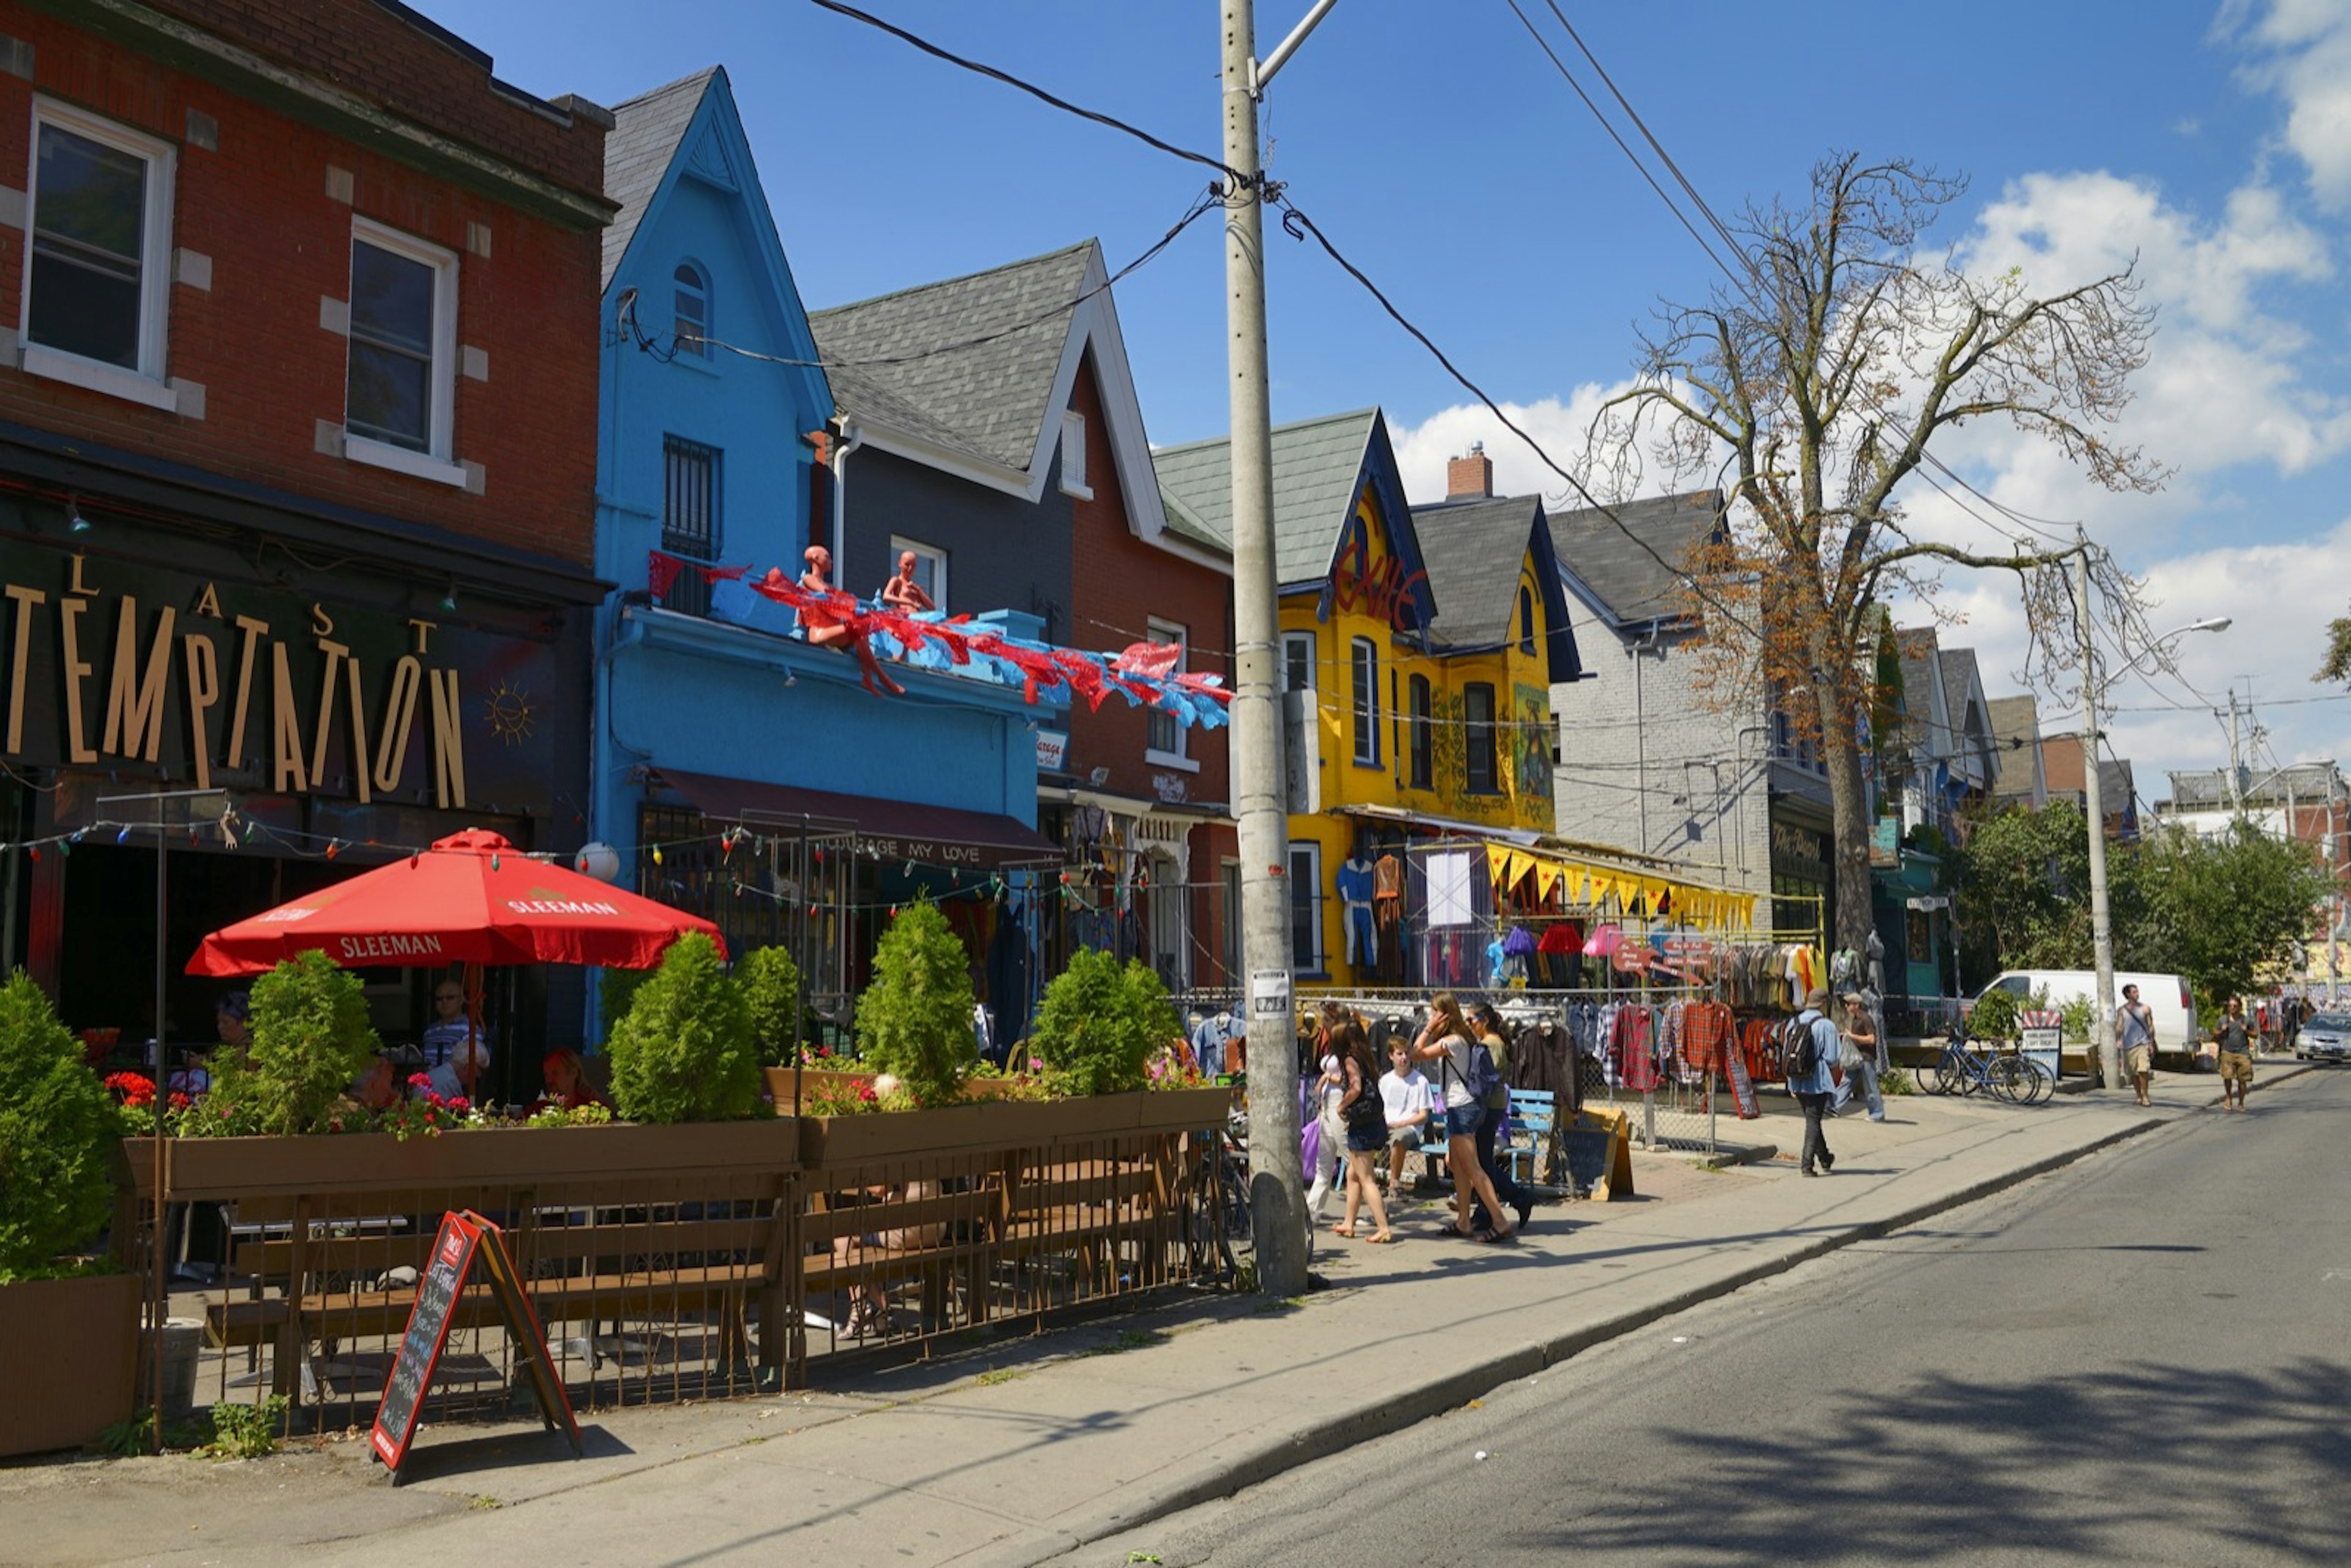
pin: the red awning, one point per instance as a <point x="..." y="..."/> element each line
<point x="892" y="830"/>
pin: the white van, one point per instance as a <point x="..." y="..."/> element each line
<point x="2176" y="1035"/>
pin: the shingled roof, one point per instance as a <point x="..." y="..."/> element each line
<point x="1317" y="464"/>
<point x="989" y="400"/>
<point x="1622" y="580"/>
<point x="637" y="154"/>
<point x="1474" y="550"/>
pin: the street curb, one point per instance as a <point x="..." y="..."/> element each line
<point x="1398" y="1410"/>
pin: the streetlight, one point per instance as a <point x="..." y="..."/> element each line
<point x="2102" y="935"/>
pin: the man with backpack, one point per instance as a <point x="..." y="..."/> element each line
<point x="1809" y="1052"/>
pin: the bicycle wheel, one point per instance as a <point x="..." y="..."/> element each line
<point x="2010" y="1078"/>
<point x="1936" y="1077"/>
<point x="2038" y="1084"/>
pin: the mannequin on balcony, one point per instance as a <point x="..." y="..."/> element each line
<point x="831" y="623"/>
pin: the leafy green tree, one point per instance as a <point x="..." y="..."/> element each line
<point x="914" y="1021"/>
<point x="1100" y="1022"/>
<point x="57" y="1126"/>
<point x="686" y="1052"/>
<point x="2022" y="881"/>
<point x="771" y="986"/>
<point x="2228" y="908"/>
<point x="310" y="1037"/>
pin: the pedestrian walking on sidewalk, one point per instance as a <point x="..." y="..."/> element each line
<point x="1815" y="1088"/>
<point x="1446" y="1039"/>
<point x="1857" y="1057"/>
<point x="1329" y="1088"/>
<point x="2134" y="1039"/>
<point x="2236" y="1056"/>
<point x="1364" y="1115"/>
<point x="1496" y="1122"/>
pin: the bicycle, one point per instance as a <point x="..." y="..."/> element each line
<point x="1221" y="1226"/>
<point x="1962" y="1070"/>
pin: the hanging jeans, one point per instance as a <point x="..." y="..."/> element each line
<point x="1816" y="1145"/>
<point x="1360" y="939"/>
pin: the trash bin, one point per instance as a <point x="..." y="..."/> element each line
<point x="183" y="1337"/>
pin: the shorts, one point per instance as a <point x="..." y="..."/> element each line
<point x="1462" y="1120"/>
<point x="2236" y="1067"/>
<point x="1404" y="1137"/>
<point x="2139" y="1061"/>
<point x="1369" y="1141"/>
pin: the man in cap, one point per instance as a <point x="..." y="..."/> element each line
<point x="1858" y="1055"/>
<point x="1814" y="1090"/>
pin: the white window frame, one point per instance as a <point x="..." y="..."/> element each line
<point x="438" y="461"/>
<point x="1311" y="962"/>
<point x="699" y="347"/>
<point x="146" y="384"/>
<point x="1363" y="701"/>
<point x="900" y="545"/>
<point x="1160" y="631"/>
<point x="1074" y="456"/>
<point x="1294" y="640"/>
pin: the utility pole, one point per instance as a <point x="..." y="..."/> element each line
<point x="2236" y="768"/>
<point x="1277" y="1176"/>
<point x="2102" y="936"/>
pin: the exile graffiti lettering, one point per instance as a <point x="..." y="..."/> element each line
<point x="96" y="697"/>
<point x="1374" y="578"/>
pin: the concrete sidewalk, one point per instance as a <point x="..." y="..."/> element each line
<point x="1023" y="1449"/>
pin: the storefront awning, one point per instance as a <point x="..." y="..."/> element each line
<point x="892" y="829"/>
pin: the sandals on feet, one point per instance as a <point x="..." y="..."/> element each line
<point x="1380" y="1239"/>
<point x="1344" y="1230"/>
<point x="1495" y="1237"/>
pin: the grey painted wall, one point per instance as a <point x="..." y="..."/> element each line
<point x="1003" y="553"/>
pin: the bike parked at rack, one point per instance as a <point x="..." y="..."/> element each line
<point x="1964" y="1068"/>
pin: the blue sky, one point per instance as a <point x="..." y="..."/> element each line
<point x="1437" y="147"/>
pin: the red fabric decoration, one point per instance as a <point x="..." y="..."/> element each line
<point x="660" y="572"/>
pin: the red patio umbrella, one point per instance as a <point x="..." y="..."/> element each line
<point x="471" y="898"/>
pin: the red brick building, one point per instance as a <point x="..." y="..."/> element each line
<point x="299" y="326"/>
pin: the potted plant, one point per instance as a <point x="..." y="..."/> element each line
<point x="686" y="1051"/>
<point x="771" y="989"/>
<point x="68" y="1330"/>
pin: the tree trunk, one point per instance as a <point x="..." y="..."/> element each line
<point x="1849" y="829"/>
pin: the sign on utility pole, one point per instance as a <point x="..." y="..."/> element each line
<point x="1277" y="1179"/>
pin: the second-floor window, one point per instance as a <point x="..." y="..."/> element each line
<point x="690" y="497"/>
<point x="403" y="318"/>
<point x="1477" y="742"/>
<point x="691" y="311"/>
<point x="930" y="566"/>
<point x="1168" y="739"/>
<point x="1526" y="619"/>
<point x="1422" y="766"/>
<point x="1363" y="662"/>
<point x="98" y="262"/>
<point x="1073" y="456"/>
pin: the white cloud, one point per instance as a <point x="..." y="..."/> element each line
<point x="1423" y="450"/>
<point x="2303" y="56"/>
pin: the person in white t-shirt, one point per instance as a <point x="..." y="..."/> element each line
<point x="1403" y="1091"/>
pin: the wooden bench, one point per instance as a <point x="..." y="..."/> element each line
<point x="1534" y="1112"/>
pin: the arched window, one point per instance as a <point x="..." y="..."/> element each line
<point x="693" y="310"/>
<point x="1526" y="619"/>
<point x="1365" y="663"/>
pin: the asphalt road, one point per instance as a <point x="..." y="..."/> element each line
<point x="2139" y="1359"/>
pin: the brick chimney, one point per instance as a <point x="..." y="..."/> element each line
<point x="1471" y="478"/>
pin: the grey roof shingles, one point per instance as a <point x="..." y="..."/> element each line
<point x="1316" y="466"/>
<point x="988" y="400"/>
<point x="1472" y="551"/>
<point x="638" y="150"/>
<point x="1632" y="584"/>
<point x="2015" y="727"/>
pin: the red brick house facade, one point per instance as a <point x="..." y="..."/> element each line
<point x="299" y="327"/>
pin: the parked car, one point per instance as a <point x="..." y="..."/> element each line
<point x="2175" y="1034"/>
<point x="2325" y="1037"/>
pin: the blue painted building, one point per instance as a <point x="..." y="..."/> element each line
<point x="787" y="803"/>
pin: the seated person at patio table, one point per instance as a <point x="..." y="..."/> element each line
<point x="377" y="1088"/>
<point x="462" y="1071"/>
<point x="566" y="1076"/>
<point x="902" y="592"/>
<point x="869" y="1303"/>
<point x="829" y="628"/>
<point x="448" y="1029"/>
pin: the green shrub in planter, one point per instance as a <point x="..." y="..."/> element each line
<point x="685" y="1052"/>
<point x="310" y="1037"/>
<point x="1101" y="1022"/>
<point x="1993" y="1016"/>
<point x="56" y="1129"/>
<point x="771" y="986"/>
<point x="914" y="1020"/>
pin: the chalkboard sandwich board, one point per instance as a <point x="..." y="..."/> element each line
<point x="463" y="1237"/>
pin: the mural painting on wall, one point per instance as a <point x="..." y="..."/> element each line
<point x="1531" y="713"/>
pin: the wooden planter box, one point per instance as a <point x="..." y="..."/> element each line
<point x="837" y="1140"/>
<point x="69" y="1359"/>
<point x="230" y="1168"/>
